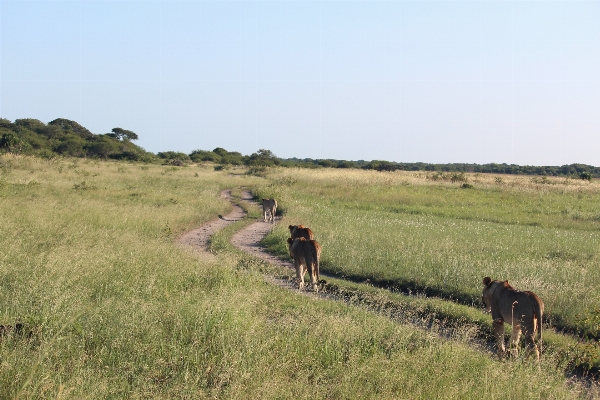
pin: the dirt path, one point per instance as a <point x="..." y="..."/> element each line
<point x="198" y="238"/>
<point x="247" y="239"/>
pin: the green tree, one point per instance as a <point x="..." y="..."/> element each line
<point x="346" y="164"/>
<point x="67" y="126"/>
<point x="220" y="151"/>
<point x="102" y="146"/>
<point x="73" y="146"/>
<point x="4" y="123"/>
<point x="29" y="123"/>
<point x="326" y="163"/>
<point x="263" y="158"/>
<point x="203" y="155"/>
<point x="233" y="157"/>
<point x="123" y="134"/>
<point x="9" y="141"/>
<point x="173" y="155"/>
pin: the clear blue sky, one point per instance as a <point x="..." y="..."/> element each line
<point x="407" y="81"/>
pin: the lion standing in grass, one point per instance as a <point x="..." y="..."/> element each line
<point x="306" y="255"/>
<point x="270" y="206"/>
<point x="522" y="310"/>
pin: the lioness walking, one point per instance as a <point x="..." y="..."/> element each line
<point x="306" y="255"/>
<point x="270" y="206"/>
<point x="522" y="310"/>
<point x="298" y="231"/>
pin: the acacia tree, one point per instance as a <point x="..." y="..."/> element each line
<point x="263" y="158"/>
<point x="123" y="134"/>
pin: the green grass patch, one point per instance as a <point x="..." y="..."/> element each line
<point x="419" y="235"/>
<point x="114" y="308"/>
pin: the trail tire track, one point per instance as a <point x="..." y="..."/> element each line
<point x="247" y="239"/>
<point x="198" y="239"/>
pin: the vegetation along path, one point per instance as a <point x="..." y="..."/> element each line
<point x="248" y="240"/>
<point x="198" y="238"/>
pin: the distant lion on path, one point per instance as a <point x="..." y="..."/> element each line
<point x="269" y="205"/>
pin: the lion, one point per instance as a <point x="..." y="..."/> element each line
<point x="298" y="231"/>
<point x="306" y="255"/>
<point x="269" y="205"/>
<point x="522" y="310"/>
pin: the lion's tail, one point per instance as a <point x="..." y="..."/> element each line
<point x="315" y="254"/>
<point x="538" y="311"/>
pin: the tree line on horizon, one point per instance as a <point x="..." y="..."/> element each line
<point x="63" y="137"/>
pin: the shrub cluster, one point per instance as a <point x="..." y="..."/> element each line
<point x="65" y="137"/>
<point x="68" y="138"/>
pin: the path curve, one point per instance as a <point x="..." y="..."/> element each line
<point x="198" y="238"/>
<point x="247" y="239"/>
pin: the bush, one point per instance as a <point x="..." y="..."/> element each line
<point x="173" y="155"/>
<point x="202" y="155"/>
<point x="9" y="141"/>
<point x="458" y="177"/>
<point x="46" y="154"/>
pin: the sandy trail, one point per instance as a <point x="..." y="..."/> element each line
<point x="247" y="239"/>
<point x="198" y="238"/>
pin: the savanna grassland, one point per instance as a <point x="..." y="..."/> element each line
<point x="112" y="307"/>
<point x="419" y="231"/>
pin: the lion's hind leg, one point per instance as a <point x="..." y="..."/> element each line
<point x="300" y="274"/>
<point x="530" y="333"/>
<point x="514" y="340"/>
<point x="313" y="277"/>
<point x="498" y="325"/>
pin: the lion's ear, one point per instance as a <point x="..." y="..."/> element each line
<point x="487" y="280"/>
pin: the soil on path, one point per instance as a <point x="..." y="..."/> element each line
<point x="198" y="238"/>
<point x="247" y="239"/>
